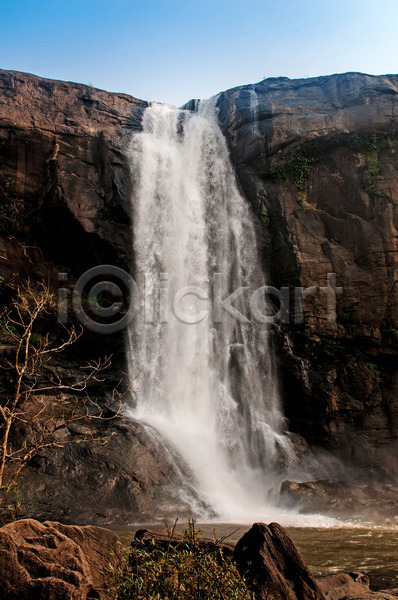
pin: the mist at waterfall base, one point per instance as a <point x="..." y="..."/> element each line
<point x="207" y="390"/>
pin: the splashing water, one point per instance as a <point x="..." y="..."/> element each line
<point x="207" y="387"/>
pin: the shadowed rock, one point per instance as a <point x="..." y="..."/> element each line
<point x="272" y="567"/>
<point x="345" y="498"/>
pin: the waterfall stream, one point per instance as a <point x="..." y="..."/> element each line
<point x="206" y="380"/>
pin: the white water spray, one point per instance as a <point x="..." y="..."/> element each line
<point x="208" y="388"/>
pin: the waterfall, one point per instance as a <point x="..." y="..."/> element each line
<point x="206" y="380"/>
<point x="254" y="109"/>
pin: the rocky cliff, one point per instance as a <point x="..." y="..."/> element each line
<point x="317" y="159"/>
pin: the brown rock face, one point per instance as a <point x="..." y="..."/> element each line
<point x="51" y="561"/>
<point x="318" y="160"/>
<point x="272" y="566"/>
<point x="64" y="180"/>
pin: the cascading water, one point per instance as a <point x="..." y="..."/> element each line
<point x="254" y="107"/>
<point x="206" y="380"/>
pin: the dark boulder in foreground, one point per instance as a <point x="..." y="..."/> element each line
<point x="272" y="565"/>
<point x="273" y="568"/>
<point x="51" y="561"/>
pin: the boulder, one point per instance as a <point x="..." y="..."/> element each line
<point x="51" y="561"/>
<point x="354" y="586"/>
<point x="343" y="499"/>
<point x="272" y="566"/>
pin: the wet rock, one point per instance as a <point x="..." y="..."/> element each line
<point x="300" y="446"/>
<point x="272" y="566"/>
<point x="354" y="586"/>
<point x="347" y="499"/>
<point x="127" y="477"/>
<point x="360" y="578"/>
<point x="52" y="561"/>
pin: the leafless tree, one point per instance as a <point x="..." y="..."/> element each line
<point x="42" y="408"/>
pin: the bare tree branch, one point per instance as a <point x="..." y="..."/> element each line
<point x="45" y="417"/>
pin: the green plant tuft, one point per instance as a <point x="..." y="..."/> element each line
<point x="369" y="146"/>
<point x="348" y="313"/>
<point x="186" y="571"/>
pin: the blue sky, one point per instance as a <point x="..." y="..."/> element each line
<point x="172" y="51"/>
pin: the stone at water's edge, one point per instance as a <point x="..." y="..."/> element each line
<point x="273" y="568"/>
<point x="52" y="561"/>
<point x="354" y="586"/>
<point x="128" y="475"/>
<point x="164" y="540"/>
<point x="272" y="565"/>
<point x="348" y="499"/>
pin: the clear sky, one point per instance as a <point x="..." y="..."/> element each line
<point x="171" y="51"/>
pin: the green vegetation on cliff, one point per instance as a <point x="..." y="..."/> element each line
<point x="296" y="165"/>
<point x="369" y="147"/>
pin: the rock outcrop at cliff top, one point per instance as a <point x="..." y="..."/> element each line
<point x="63" y="154"/>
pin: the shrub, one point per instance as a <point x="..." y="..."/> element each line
<point x="184" y="571"/>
